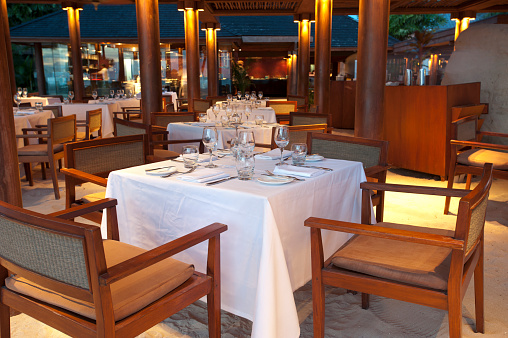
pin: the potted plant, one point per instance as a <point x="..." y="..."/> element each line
<point x="240" y="78"/>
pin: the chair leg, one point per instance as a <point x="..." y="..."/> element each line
<point x="365" y="301"/>
<point x="43" y="170"/>
<point x="318" y="307"/>
<point x="52" y="170"/>
<point x="448" y="198"/>
<point x="478" y="292"/>
<point x="454" y="311"/>
<point x="28" y="174"/>
<point x="5" y="320"/>
<point x="468" y="181"/>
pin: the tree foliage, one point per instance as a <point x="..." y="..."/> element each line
<point x="240" y="76"/>
<point x="402" y="27"/>
<point x="20" y="13"/>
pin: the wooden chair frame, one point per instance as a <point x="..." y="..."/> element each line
<point x="464" y="263"/>
<point x="299" y="100"/>
<point x="89" y="127"/>
<point x="294" y="115"/>
<point x="282" y="117"/>
<point x="101" y="278"/>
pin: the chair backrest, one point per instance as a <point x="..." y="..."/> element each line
<point x="101" y="156"/>
<point x="163" y="119"/>
<point x="298" y="134"/>
<point x="127" y="128"/>
<point x="282" y="107"/>
<point x="94" y="121"/>
<point x="57" y="110"/>
<point x="215" y="99"/>
<point x="298" y="118"/>
<point x="62" y="129"/>
<point x="23" y="104"/>
<point x="201" y="105"/>
<point x="53" y="96"/>
<point x="167" y="104"/>
<point x="465" y="129"/>
<point x="368" y="151"/>
<point x="53" y="253"/>
<point x="301" y="101"/>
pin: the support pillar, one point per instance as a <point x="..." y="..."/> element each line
<point x="292" y="74"/>
<point x="121" y="65"/>
<point x="75" y="37"/>
<point x="323" y="33"/>
<point x="304" y="22"/>
<point x="211" y="29"/>
<point x="462" y="21"/>
<point x="8" y="48"/>
<point x="39" y="68"/>
<point x="191" y="22"/>
<point x="10" y="185"/>
<point x="433" y="67"/>
<point x="147" y="14"/>
<point x="371" y="68"/>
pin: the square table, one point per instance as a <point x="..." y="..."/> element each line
<point x="265" y="254"/>
<point x="80" y="109"/>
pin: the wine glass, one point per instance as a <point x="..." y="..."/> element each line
<point x="229" y="98"/>
<point x="260" y="94"/>
<point x="247" y="96"/>
<point x="216" y="110"/>
<point x="236" y="121"/>
<point x="253" y="94"/>
<point x="17" y="99"/>
<point x="248" y="111"/>
<point x="239" y="95"/>
<point x="25" y="92"/>
<point x="246" y="140"/>
<point x="119" y="93"/>
<point x="122" y="92"/>
<point x="20" y="91"/>
<point x="229" y="111"/>
<point x="112" y="93"/>
<point x="210" y="138"/>
<point x="94" y="95"/>
<point x="281" y="138"/>
<point x="71" y="95"/>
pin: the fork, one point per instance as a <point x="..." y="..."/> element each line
<point x="181" y="172"/>
<point x="269" y="173"/>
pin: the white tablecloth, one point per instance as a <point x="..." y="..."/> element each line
<point x="267" y="112"/>
<point x="172" y="94"/>
<point x="46" y="101"/>
<point x="265" y="254"/>
<point x="80" y="109"/>
<point x="188" y="130"/>
<point x="130" y="102"/>
<point x="30" y="120"/>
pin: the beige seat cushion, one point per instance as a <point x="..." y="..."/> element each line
<point x="38" y="149"/>
<point x="478" y="157"/>
<point x="80" y="135"/>
<point x="162" y="153"/>
<point x="129" y="295"/>
<point x="412" y="263"/>
<point x="94" y="197"/>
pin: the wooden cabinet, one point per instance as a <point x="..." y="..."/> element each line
<point x="342" y="104"/>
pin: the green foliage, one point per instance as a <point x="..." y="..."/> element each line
<point x="20" y="13"/>
<point x="240" y="77"/>
<point x="402" y="27"/>
<point x="422" y="39"/>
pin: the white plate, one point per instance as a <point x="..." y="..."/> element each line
<point x="314" y="158"/>
<point x="275" y="180"/>
<point x="161" y="172"/>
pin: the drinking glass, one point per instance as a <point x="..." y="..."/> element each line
<point x="17" y="99"/>
<point x="119" y="93"/>
<point x="259" y="119"/>
<point x="245" y="165"/>
<point x="210" y="138"/>
<point x="246" y="140"/>
<point x="122" y="92"/>
<point x="129" y="93"/>
<point x="112" y="93"/>
<point x="71" y="95"/>
<point x="239" y="95"/>
<point x="94" y="95"/>
<point x="281" y="139"/>
<point x="236" y="121"/>
<point x="260" y="94"/>
<point x="216" y="110"/>
<point x="38" y="105"/>
<point x="25" y="92"/>
<point x="234" y="146"/>
<point x="229" y="111"/>
<point x="202" y="117"/>
<point x="20" y="91"/>
<point x="299" y="152"/>
<point x="248" y="111"/>
<point x="229" y="98"/>
<point x="224" y="121"/>
<point x="190" y="154"/>
<point x="247" y="96"/>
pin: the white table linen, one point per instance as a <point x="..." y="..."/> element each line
<point x="46" y="101"/>
<point x="265" y="254"/>
<point x="29" y="119"/>
<point x="80" y="109"/>
<point x="130" y="102"/>
<point x="267" y="112"/>
<point x="173" y="95"/>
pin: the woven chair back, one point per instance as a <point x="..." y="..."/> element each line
<point x="282" y="107"/>
<point x="201" y="105"/>
<point x="62" y="129"/>
<point x="94" y="120"/>
<point x="301" y="101"/>
<point x="298" y="134"/>
<point x="465" y="131"/>
<point x="368" y="155"/>
<point x="57" y="110"/>
<point x="122" y="129"/>
<point x="163" y="119"/>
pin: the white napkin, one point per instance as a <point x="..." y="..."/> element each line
<point x="203" y="124"/>
<point x="201" y="158"/>
<point x="297" y="171"/>
<point x="204" y="175"/>
<point x="273" y="154"/>
<point x="26" y="112"/>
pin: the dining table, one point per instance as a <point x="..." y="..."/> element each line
<point x="267" y="112"/>
<point x="266" y="253"/>
<point x="29" y="118"/>
<point x="122" y="103"/>
<point x="173" y="95"/>
<point x="80" y="109"/>
<point x="46" y="101"/>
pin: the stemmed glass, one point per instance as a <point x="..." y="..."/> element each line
<point x="94" y="95"/>
<point x="210" y="137"/>
<point x="247" y="96"/>
<point x="25" y="92"/>
<point x="71" y="95"/>
<point x="260" y="95"/>
<point x="112" y="93"/>
<point x="17" y="99"/>
<point x="253" y="94"/>
<point x="229" y="112"/>
<point x="20" y="91"/>
<point x="281" y="138"/>
<point x="239" y="95"/>
<point x="236" y="121"/>
<point x="229" y="98"/>
<point x="248" y="110"/>
<point x="122" y="92"/>
<point x="119" y="93"/>
<point x="246" y="140"/>
<point x="216" y="110"/>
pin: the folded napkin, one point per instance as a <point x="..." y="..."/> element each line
<point x="264" y="108"/>
<point x="201" y="158"/>
<point x="203" y="124"/>
<point x="204" y="175"/>
<point x="27" y="111"/>
<point x="297" y="171"/>
<point x="273" y="154"/>
<point x="248" y="126"/>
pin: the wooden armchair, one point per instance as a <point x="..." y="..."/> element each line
<point x="282" y="109"/>
<point x="372" y="153"/>
<point x="92" y="124"/>
<point x="57" y="110"/>
<point x="162" y="119"/>
<point x="167" y="104"/>
<point x="469" y="154"/>
<point x="426" y="266"/>
<point x="302" y="102"/>
<point x="64" y="274"/>
<point x="299" y="118"/>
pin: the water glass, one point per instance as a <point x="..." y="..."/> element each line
<point x="71" y="95"/>
<point x="202" y="117"/>
<point x="66" y="100"/>
<point x="38" y="105"/>
<point x="20" y="91"/>
<point x="259" y="119"/>
<point x="94" y="95"/>
<point x="260" y="95"/>
<point x="281" y="139"/>
<point x="101" y="98"/>
<point x="299" y="153"/>
<point x="190" y="154"/>
<point x="112" y="93"/>
<point x="234" y="146"/>
<point x="245" y="165"/>
<point x="224" y="121"/>
<point x="210" y="139"/>
<point x="246" y="140"/>
<point x="17" y="99"/>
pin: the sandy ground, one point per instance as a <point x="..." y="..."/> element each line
<point x="344" y="316"/>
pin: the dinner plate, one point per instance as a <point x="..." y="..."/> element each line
<point x="161" y="172"/>
<point x="275" y="180"/>
<point x="314" y="158"/>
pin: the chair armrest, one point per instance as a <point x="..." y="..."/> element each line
<point x="479" y="145"/>
<point x="81" y="175"/>
<point x="491" y="133"/>
<point x="84" y="209"/>
<point x="177" y="141"/>
<point x="374" y="170"/>
<point x="33" y="136"/>
<point x="37" y="128"/>
<point x="387" y="233"/>
<point x="146" y="259"/>
<point x="414" y="189"/>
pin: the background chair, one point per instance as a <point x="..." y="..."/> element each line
<point x="302" y="102"/>
<point x="59" y="131"/>
<point x="469" y="153"/>
<point x="167" y="104"/>
<point x="297" y="134"/>
<point x="372" y="153"/>
<point x="57" y="110"/>
<point x="162" y="119"/>
<point x="282" y="109"/>
<point x="426" y="266"/>
<point x="83" y="285"/>
<point x="182" y="105"/>
<point x="92" y="124"/>
<point x="299" y="118"/>
<point x="201" y="106"/>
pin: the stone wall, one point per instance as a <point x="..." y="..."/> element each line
<point x="481" y="54"/>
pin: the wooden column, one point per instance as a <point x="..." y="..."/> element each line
<point x="462" y="21"/>
<point x="289" y="67"/>
<point x="39" y="68"/>
<point x="10" y="186"/>
<point x="77" y="66"/>
<point x="8" y="47"/>
<point x="371" y="67"/>
<point x="211" y="29"/>
<point x="323" y="33"/>
<point x="293" y="84"/>
<point x="304" y="22"/>
<point x="433" y="67"/>
<point x="147" y="13"/>
<point x="121" y="65"/>
<point x="191" y="16"/>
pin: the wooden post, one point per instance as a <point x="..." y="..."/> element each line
<point x="191" y="16"/>
<point x="121" y="65"/>
<point x="371" y="68"/>
<point x="323" y="33"/>
<point x="8" y="48"/>
<point x="304" y="22"/>
<point x="462" y="21"/>
<point x="147" y="13"/>
<point x="39" y="68"/>
<point x="10" y="186"/>
<point x="77" y="65"/>
<point x="289" y="67"/>
<point x="293" y="84"/>
<point x="211" y="29"/>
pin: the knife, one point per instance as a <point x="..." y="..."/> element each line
<point x="314" y="167"/>
<point x="221" y="180"/>
<point x="169" y="166"/>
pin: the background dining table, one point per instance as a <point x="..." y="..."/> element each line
<point x="126" y="102"/>
<point x="265" y="254"/>
<point x="29" y="118"/>
<point x="80" y="109"/>
<point x="46" y="101"/>
<point x="267" y="112"/>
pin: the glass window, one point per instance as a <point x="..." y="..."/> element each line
<point x="56" y="69"/>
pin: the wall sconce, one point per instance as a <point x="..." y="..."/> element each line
<point x="304" y="17"/>
<point x="191" y="5"/>
<point x="210" y="25"/>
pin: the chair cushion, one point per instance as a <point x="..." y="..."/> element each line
<point x="406" y="262"/>
<point x="80" y="135"/>
<point x="162" y="153"/>
<point x="38" y="149"/>
<point x="129" y="295"/>
<point x="94" y="197"/>
<point x="478" y="157"/>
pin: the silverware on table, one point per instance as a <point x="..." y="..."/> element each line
<point x="180" y="172"/>
<point x="315" y="167"/>
<point x="269" y="173"/>
<point x="221" y="180"/>
<point x="168" y="166"/>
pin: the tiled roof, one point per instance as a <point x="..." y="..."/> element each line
<point x="119" y="21"/>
